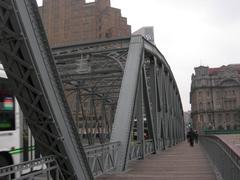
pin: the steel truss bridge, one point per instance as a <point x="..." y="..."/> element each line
<point x="90" y="107"/>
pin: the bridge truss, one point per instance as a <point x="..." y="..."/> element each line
<point x="119" y="90"/>
<point x="122" y="90"/>
<point x="29" y="65"/>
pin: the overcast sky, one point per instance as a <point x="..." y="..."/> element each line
<point x="189" y="33"/>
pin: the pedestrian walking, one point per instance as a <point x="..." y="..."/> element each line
<point x="191" y="137"/>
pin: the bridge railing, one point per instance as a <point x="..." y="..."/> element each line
<point x="224" y="156"/>
<point x="136" y="149"/>
<point x="102" y="158"/>
<point x="46" y="167"/>
<point x="215" y="132"/>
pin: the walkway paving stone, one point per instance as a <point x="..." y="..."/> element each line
<point x="180" y="162"/>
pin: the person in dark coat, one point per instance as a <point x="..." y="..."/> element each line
<point x="191" y="137"/>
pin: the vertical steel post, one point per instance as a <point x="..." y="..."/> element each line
<point x="124" y="114"/>
<point x="148" y="109"/>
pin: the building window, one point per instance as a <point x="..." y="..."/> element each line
<point x="210" y="118"/>
<point x="108" y="35"/>
<point x="200" y="106"/>
<point x="200" y="94"/>
<point x="226" y="104"/>
<point x="202" y="121"/>
<point x="208" y="94"/>
<point x="227" y="117"/>
<point x="225" y="93"/>
<point x="234" y="104"/>
<point x="219" y="118"/>
<point x="237" y="118"/>
<point x="208" y="105"/>
<point x="233" y="92"/>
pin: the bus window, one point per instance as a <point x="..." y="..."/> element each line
<point x="7" y="114"/>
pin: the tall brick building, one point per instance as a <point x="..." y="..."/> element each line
<point x="75" y="21"/>
<point x="215" y="97"/>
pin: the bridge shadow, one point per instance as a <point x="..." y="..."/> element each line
<point x="180" y="162"/>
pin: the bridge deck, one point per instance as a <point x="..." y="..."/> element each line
<point x="180" y="162"/>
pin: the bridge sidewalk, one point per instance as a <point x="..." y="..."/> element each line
<point x="180" y="162"/>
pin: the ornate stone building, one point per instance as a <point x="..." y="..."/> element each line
<point x="75" y="21"/>
<point x="215" y="97"/>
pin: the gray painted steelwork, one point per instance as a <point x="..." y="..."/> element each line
<point x="38" y="168"/>
<point x="29" y="65"/>
<point x="149" y="106"/>
<point x="92" y="76"/>
<point x="153" y="107"/>
<point x="123" y="118"/>
<point x="103" y="158"/>
<point x="121" y="93"/>
<point x="136" y="150"/>
<point x="148" y="95"/>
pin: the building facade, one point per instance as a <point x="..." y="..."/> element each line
<point x="215" y="98"/>
<point x="75" y="21"/>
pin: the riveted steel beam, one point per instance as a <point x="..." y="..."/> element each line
<point x="124" y="113"/>
<point x="157" y="103"/>
<point x="29" y="65"/>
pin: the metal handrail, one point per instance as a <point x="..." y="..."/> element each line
<point x="102" y="158"/>
<point x="224" y="157"/>
<point x="27" y="170"/>
<point x="136" y="150"/>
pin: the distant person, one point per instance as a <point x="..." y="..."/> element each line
<point x="196" y="136"/>
<point x="191" y="137"/>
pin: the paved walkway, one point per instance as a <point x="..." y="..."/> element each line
<point x="180" y="162"/>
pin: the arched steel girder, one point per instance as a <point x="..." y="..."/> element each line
<point x="155" y="86"/>
<point x="93" y="91"/>
<point x="29" y="65"/>
<point x="148" y="93"/>
<point x="121" y="65"/>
